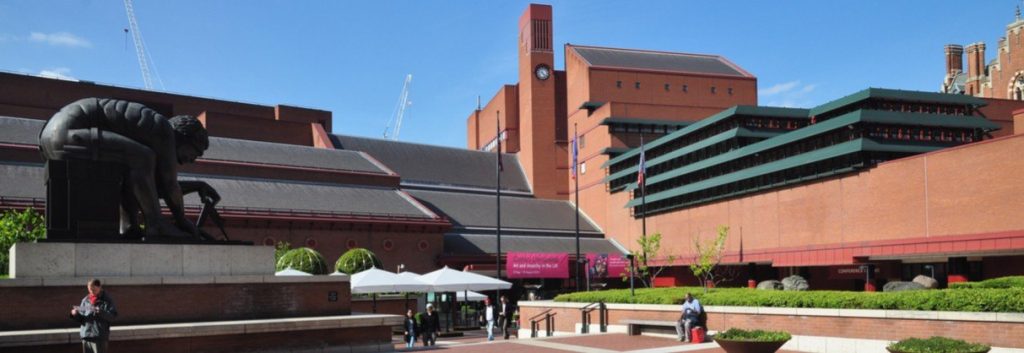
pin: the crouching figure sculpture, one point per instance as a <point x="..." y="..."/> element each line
<point x="109" y="160"/>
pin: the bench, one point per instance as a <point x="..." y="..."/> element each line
<point x="635" y="327"/>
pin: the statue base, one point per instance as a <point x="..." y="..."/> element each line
<point x="117" y="259"/>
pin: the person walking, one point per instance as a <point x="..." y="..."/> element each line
<point x="94" y="313"/>
<point x="489" y="316"/>
<point x="506" y="315"/>
<point x="431" y="324"/>
<point x="410" y="329"/>
<point x="690" y="317"/>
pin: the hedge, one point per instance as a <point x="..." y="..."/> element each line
<point x="357" y="260"/>
<point x="1001" y="282"/>
<point x="937" y="345"/>
<point x="735" y="334"/>
<point x="303" y="259"/>
<point x="971" y="299"/>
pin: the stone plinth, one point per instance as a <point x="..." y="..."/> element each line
<point x="64" y="260"/>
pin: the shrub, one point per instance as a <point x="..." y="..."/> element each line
<point x="735" y="334"/>
<point x="15" y="227"/>
<point x="357" y="260"/>
<point x="280" y="249"/>
<point x="974" y="300"/>
<point x="303" y="259"/>
<point x="937" y="345"/>
<point x="1001" y="282"/>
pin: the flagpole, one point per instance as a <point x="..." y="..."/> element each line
<point x="643" y="198"/>
<point x="497" y="190"/>
<point x="576" y="178"/>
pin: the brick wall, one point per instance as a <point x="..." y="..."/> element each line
<point x="47" y="307"/>
<point x="989" y="332"/>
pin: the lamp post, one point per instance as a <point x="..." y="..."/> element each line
<point x="399" y="268"/>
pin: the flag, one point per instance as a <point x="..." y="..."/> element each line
<point x="642" y="171"/>
<point x="575" y="155"/>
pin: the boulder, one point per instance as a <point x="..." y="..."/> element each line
<point x="898" y="286"/>
<point x="770" y="285"/>
<point x="794" y="282"/>
<point x="927" y="282"/>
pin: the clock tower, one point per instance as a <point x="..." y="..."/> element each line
<point x="541" y="151"/>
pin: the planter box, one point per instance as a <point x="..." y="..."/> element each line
<point x="897" y="351"/>
<point x="749" y="347"/>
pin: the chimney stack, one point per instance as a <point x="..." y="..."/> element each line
<point x="954" y="58"/>
<point x="975" y="60"/>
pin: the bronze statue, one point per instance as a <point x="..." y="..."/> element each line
<point x="143" y="146"/>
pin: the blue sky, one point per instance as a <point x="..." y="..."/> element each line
<point x="352" y="57"/>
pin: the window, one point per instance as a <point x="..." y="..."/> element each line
<point x="618" y="84"/>
<point x="730" y="91"/>
<point x="583" y="140"/>
<point x="583" y="168"/>
<point x="685" y="88"/>
<point x="668" y="87"/>
<point x="637" y="84"/>
<point x="713" y="89"/>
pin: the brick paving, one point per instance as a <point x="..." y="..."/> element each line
<point x="476" y="342"/>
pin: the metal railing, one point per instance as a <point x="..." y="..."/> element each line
<point x="549" y="323"/>
<point x="602" y="316"/>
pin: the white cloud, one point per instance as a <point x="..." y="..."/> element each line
<point x="790" y="94"/>
<point x="778" y="88"/>
<point x="60" y="39"/>
<point x="60" y="73"/>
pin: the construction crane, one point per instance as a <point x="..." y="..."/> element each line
<point x="399" y="112"/>
<point x="139" y="48"/>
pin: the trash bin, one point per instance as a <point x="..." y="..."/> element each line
<point x="697" y="335"/>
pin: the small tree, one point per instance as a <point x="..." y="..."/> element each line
<point x="708" y="256"/>
<point x="303" y="259"/>
<point x="357" y="260"/>
<point x="650" y="248"/>
<point x="15" y="227"/>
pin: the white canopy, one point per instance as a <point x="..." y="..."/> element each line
<point x="291" y="272"/>
<point x="449" y="280"/>
<point x="376" y="280"/>
<point x="473" y="296"/>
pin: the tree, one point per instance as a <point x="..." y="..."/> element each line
<point x="303" y="259"/>
<point x="357" y="260"/>
<point x="708" y="256"/>
<point x="650" y="247"/>
<point x="15" y="227"/>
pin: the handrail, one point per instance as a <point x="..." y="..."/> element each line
<point x="585" y="316"/>
<point x="549" y="323"/>
<point x="542" y="313"/>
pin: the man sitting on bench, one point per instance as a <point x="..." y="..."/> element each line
<point x="689" y="319"/>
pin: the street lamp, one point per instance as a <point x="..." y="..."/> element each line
<point x="399" y="268"/>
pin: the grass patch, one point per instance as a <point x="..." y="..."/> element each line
<point x="968" y="299"/>
<point x="937" y="345"/>
<point x="735" y="334"/>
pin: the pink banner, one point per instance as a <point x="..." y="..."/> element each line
<point x="537" y="265"/>
<point x="606" y="265"/>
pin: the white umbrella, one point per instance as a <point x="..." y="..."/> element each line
<point x="473" y="296"/>
<point x="379" y="281"/>
<point x="291" y="272"/>
<point x="449" y="280"/>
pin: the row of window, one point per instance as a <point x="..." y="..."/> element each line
<point x="668" y="87"/>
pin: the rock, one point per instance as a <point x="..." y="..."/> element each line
<point x="927" y="282"/>
<point x="770" y="285"/>
<point x="794" y="282"/>
<point x="898" y="286"/>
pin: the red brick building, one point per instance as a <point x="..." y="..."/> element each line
<point x="907" y="182"/>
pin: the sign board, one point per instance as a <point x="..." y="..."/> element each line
<point x="848" y="272"/>
<point x="537" y="265"/>
<point x="606" y="266"/>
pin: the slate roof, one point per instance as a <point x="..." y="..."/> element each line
<point x="20" y="131"/>
<point x="660" y="61"/>
<point x="440" y="166"/>
<point x="478" y="210"/>
<point x="229" y="149"/>
<point x="28" y="181"/>
<point x="482" y="244"/>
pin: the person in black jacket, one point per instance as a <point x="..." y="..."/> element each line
<point x="505" y="315"/>
<point x="431" y="324"/>
<point x="94" y="313"/>
<point x="410" y="329"/>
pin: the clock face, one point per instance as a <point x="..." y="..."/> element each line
<point x="543" y="72"/>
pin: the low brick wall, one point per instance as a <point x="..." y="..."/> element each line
<point x="362" y="333"/>
<point x="151" y="300"/>
<point x="996" y="329"/>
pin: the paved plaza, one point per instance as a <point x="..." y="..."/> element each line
<point x="476" y="341"/>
